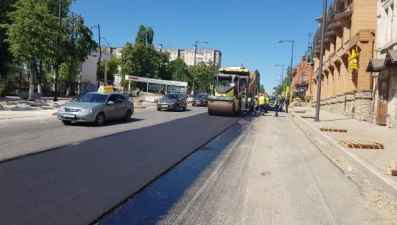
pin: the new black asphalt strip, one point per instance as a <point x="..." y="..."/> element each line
<point x="76" y="184"/>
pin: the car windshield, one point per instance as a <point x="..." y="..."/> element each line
<point x="92" y="97"/>
<point x="170" y="96"/>
<point x="201" y="96"/>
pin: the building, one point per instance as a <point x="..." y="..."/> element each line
<point x="88" y="75"/>
<point x="383" y="65"/>
<point x="346" y="86"/>
<point x="202" y="55"/>
<point x="301" y="83"/>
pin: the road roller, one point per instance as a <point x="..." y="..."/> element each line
<point x="231" y="92"/>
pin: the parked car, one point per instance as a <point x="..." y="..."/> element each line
<point x="200" y="99"/>
<point x="96" y="107"/>
<point x="272" y="104"/>
<point x="172" y="101"/>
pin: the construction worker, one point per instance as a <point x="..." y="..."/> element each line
<point x="277" y="105"/>
<point x="267" y="101"/>
<point x="262" y="104"/>
<point x="256" y="100"/>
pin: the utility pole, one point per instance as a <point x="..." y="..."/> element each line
<point x="100" y="56"/>
<point x="194" y="63"/>
<point x="320" y="69"/>
<point x="57" y="57"/>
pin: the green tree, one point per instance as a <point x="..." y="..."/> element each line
<point x="112" y="68"/>
<point x="164" y="71"/>
<point x="262" y="89"/>
<point x="78" y="43"/>
<point x="257" y="80"/>
<point x="203" y="76"/>
<point x="6" y="58"/>
<point x="34" y="34"/>
<point x="141" y="35"/>
<point x="149" y="36"/>
<point x="179" y="70"/>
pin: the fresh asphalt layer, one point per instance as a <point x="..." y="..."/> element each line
<point x="78" y="183"/>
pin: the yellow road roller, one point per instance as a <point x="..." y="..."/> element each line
<point x="231" y="92"/>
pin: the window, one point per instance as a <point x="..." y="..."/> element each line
<point x="304" y="77"/>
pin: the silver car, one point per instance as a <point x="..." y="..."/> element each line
<point x="95" y="107"/>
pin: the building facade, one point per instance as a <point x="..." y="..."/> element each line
<point x="383" y="65"/>
<point x="349" y="40"/>
<point x="202" y="55"/>
<point x="301" y="83"/>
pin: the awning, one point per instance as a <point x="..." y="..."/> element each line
<point x="375" y="65"/>
<point x="391" y="58"/>
<point x="344" y="15"/>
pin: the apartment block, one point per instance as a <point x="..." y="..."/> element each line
<point x="346" y="85"/>
<point x="201" y="55"/>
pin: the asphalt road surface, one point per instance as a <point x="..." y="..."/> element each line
<point x="77" y="183"/>
<point x="20" y="137"/>
<point x="266" y="172"/>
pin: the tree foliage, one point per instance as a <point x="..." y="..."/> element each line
<point x="203" y="76"/>
<point x="112" y="68"/>
<point x="36" y="33"/>
<point x="6" y="55"/>
<point x="179" y="70"/>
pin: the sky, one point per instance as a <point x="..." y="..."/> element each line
<point x="246" y="32"/>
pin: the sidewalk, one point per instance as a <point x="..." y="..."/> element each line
<point x="371" y="162"/>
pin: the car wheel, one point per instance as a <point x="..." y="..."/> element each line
<point x="100" y="119"/>
<point x="193" y="105"/>
<point x="66" y="122"/>
<point x="158" y="109"/>
<point x="127" y="116"/>
<point x="177" y="108"/>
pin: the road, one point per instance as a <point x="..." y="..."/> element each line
<point x="31" y="135"/>
<point x="77" y="183"/>
<point x="265" y="172"/>
<point x="269" y="173"/>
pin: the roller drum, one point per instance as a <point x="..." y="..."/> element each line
<point x="220" y="108"/>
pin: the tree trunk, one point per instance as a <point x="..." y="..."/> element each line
<point x="33" y="70"/>
<point x="39" y="77"/>
<point x="56" y="67"/>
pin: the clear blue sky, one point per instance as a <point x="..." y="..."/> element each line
<point x="244" y="31"/>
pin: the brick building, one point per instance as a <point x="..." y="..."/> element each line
<point x="301" y="84"/>
<point x="346" y="86"/>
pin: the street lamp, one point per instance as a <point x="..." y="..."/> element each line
<point x="194" y="61"/>
<point x="320" y="69"/>
<point x="282" y="72"/>
<point x="281" y="82"/>
<point x="292" y="59"/>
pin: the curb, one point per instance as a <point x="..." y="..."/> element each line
<point x="368" y="170"/>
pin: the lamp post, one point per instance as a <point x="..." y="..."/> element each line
<point x="320" y="69"/>
<point x="281" y="82"/>
<point x="194" y="61"/>
<point x="292" y="59"/>
<point x="282" y="75"/>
